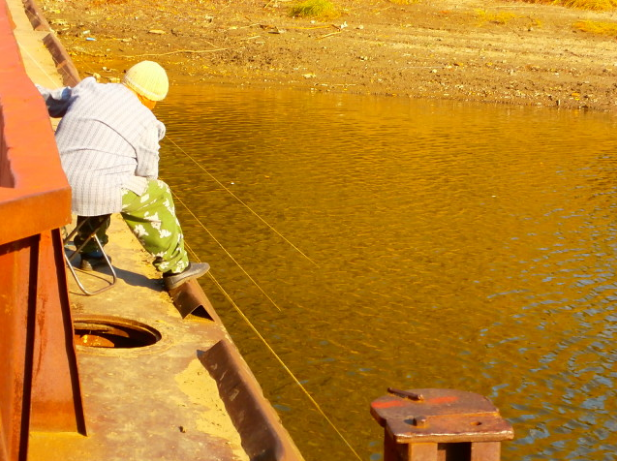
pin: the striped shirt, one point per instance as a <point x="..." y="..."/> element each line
<point x="108" y="141"/>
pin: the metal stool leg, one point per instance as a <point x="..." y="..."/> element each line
<point x="69" y="258"/>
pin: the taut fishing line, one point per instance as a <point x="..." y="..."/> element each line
<point x="276" y="356"/>
<point x="225" y="250"/>
<point x="37" y="64"/>
<point x="241" y="201"/>
<point x="227" y="296"/>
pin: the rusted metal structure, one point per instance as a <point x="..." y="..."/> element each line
<point x="39" y="382"/>
<point x="440" y="425"/>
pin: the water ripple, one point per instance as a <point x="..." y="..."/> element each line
<point x="457" y="246"/>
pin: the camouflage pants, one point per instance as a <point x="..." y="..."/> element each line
<point x="152" y="218"/>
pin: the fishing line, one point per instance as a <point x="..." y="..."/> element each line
<point x="232" y="302"/>
<point x="276" y="356"/>
<point x="226" y="252"/>
<point x="241" y="313"/>
<point x="205" y="228"/>
<point x="218" y="182"/>
<point x="242" y="202"/>
<point x="25" y="50"/>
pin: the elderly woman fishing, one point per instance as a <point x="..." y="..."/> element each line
<point x="108" y="140"/>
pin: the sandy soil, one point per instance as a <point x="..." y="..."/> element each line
<point x="474" y="50"/>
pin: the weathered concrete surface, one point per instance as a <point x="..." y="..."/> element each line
<point x="144" y="402"/>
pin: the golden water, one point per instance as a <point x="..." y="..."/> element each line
<point x="408" y="244"/>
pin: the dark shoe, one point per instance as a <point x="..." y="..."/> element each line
<point x="92" y="260"/>
<point x="194" y="270"/>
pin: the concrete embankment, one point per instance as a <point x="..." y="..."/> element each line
<point x="155" y="380"/>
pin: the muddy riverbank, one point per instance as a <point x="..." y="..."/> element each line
<point x="477" y="50"/>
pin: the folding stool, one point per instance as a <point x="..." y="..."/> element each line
<point x="91" y="237"/>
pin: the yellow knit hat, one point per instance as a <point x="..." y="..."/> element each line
<point x="148" y="79"/>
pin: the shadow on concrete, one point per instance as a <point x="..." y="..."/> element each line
<point x="102" y="275"/>
<point x="138" y="280"/>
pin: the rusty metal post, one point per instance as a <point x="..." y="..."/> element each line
<point x="439" y="425"/>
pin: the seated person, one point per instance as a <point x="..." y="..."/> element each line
<point x="108" y="141"/>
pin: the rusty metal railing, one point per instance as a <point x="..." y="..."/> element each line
<point x="39" y="384"/>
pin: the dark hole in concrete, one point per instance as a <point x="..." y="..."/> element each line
<point x="113" y="332"/>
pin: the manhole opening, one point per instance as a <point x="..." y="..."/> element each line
<point x="113" y="333"/>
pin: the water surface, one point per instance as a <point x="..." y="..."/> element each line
<point x="377" y="242"/>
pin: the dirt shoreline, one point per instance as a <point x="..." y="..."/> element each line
<point x="476" y="50"/>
